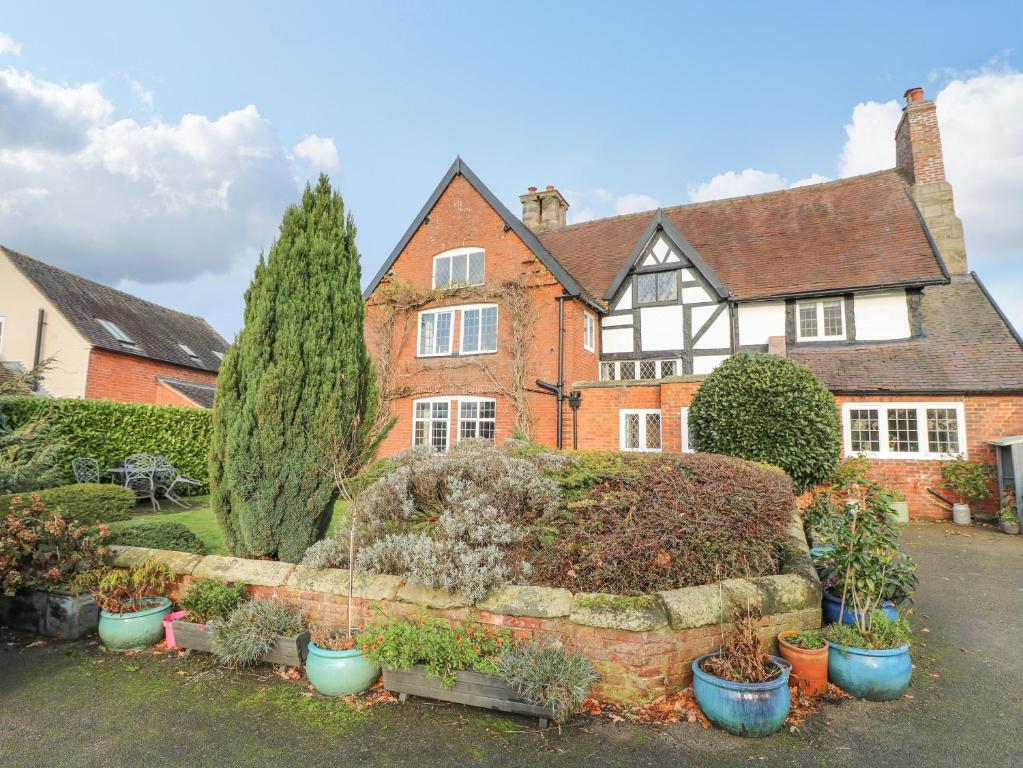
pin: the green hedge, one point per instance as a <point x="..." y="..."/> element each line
<point x="110" y="431"/>
<point x="158" y="534"/>
<point x="88" y="503"/>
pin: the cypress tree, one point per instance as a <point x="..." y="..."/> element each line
<point x="295" y="375"/>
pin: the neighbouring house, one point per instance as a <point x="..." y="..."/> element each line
<point x="596" y="335"/>
<point x="105" y="344"/>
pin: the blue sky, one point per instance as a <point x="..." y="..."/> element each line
<point x="620" y="106"/>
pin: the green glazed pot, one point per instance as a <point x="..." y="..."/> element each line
<point x="340" y="673"/>
<point x="135" y="630"/>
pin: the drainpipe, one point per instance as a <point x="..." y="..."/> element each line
<point x="561" y="368"/>
<point x="40" y="324"/>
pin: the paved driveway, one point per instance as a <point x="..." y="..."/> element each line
<point x="69" y="704"/>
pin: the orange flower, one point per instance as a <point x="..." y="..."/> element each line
<point x="373" y="647"/>
<point x="499" y="642"/>
<point x="478" y="649"/>
<point x="458" y="638"/>
<point x="365" y="646"/>
<point x="380" y="638"/>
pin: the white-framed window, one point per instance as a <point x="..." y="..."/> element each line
<point x="435" y="332"/>
<point x="686" y="443"/>
<point x="479" y="329"/>
<point x="430" y="421"/>
<point x="589" y="331"/>
<point x="477" y="417"/>
<point x="458" y="267"/>
<point x="821" y="319"/>
<point x="624" y="370"/>
<point x="608" y="371"/>
<point x="639" y="429"/>
<point x="905" y="430"/>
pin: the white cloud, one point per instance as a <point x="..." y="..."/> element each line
<point x="320" y="152"/>
<point x="9" y="46"/>
<point x="580" y="215"/>
<point x="599" y="203"/>
<point x="175" y="211"/>
<point x="635" y="203"/>
<point x="731" y="184"/>
<point x="141" y="92"/>
<point x="813" y="178"/>
<point x="870" y="138"/>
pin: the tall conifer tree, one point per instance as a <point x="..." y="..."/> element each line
<point x="294" y="376"/>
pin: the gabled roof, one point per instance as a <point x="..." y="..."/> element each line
<point x="661" y="223"/>
<point x="200" y="394"/>
<point x="157" y="332"/>
<point x="859" y="232"/>
<point x="459" y="168"/>
<point x="969" y="346"/>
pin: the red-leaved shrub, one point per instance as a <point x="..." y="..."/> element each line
<point x="652" y="523"/>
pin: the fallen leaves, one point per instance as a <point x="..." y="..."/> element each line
<point x="803" y="705"/>
<point x="674" y="708"/>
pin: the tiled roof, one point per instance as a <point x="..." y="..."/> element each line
<point x="856" y="232"/>
<point x="200" y="394"/>
<point x="969" y="347"/>
<point x="157" y="332"/>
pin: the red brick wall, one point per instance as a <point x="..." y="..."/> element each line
<point x="463" y="218"/>
<point x="132" y="379"/>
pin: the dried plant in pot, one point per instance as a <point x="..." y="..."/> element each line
<point x="132" y="604"/>
<point x="740" y="688"/>
<point x="337" y="665"/>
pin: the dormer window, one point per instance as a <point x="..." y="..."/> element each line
<point x="457" y="268"/>
<point x="114" y="330"/>
<point x="820" y="320"/>
<point x="188" y="351"/>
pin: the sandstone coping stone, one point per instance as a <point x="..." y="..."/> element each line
<point x="420" y="594"/>
<point x="739" y="596"/>
<point x="125" y="557"/>
<point x="334" y="581"/>
<point x="786" y="593"/>
<point x="540" y="602"/>
<point x="692" y="606"/>
<point x="261" y="573"/>
<point x="178" y="563"/>
<point x="633" y="614"/>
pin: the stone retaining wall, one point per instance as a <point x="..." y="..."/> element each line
<point x="642" y="646"/>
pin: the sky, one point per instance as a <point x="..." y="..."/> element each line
<point x="154" y="147"/>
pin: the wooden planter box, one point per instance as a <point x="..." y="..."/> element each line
<point x="51" y="614"/>
<point x="471" y="688"/>
<point x="290" y="651"/>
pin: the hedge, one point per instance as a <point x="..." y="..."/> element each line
<point x="158" y="534"/>
<point x="88" y="503"/>
<point x="110" y="431"/>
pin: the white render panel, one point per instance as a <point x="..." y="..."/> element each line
<point x="616" y="340"/>
<point x="650" y="260"/>
<point x="881" y="316"/>
<point x="688" y="275"/>
<point x="672" y="258"/>
<point x="695" y="295"/>
<point x="718" y="336"/>
<point x="613" y="320"/>
<point x="661" y="328"/>
<point x="707" y="363"/>
<point x="761" y="320"/>
<point x="625" y="302"/>
<point x="660" y="249"/>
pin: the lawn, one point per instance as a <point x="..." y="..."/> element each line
<point x="201" y="521"/>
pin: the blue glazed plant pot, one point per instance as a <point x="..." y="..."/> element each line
<point x="135" y="630"/>
<point x="340" y="673"/>
<point x="743" y="709"/>
<point x="831" y="605"/>
<point x="868" y="674"/>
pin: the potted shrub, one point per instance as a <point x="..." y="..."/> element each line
<point x="132" y="605"/>
<point x="259" y="631"/>
<point x="870" y="659"/>
<point x="204" y="601"/>
<point x="807" y="652"/>
<point x="1008" y="519"/>
<point x="336" y="665"/>
<point x="428" y="658"/>
<point x="42" y="557"/>
<point x="740" y="688"/>
<point x="968" y="481"/>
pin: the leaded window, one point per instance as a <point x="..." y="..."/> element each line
<point x="655" y="287"/>
<point x="479" y="330"/>
<point x="607" y="371"/>
<point x="648" y="369"/>
<point x="667" y="368"/>
<point x="640" y="430"/>
<point x="456" y="269"/>
<point x="435" y="332"/>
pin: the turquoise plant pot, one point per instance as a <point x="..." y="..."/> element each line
<point x="340" y="673"/>
<point x="136" y="630"/>
<point x="743" y="709"/>
<point x="869" y="674"/>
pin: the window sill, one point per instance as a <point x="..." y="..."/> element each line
<point x="907" y="456"/>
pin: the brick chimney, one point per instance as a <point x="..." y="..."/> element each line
<point x="543" y="211"/>
<point x="918" y="155"/>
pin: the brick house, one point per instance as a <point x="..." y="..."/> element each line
<point x="596" y="335"/>
<point x="106" y="344"/>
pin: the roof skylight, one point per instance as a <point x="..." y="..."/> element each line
<point x="114" y="330"/>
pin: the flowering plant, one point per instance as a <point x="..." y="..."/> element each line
<point x="42" y="549"/>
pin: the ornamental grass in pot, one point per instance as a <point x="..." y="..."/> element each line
<point x="807" y="652"/>
<point x="259" y="631"/>
<point x="132" y="604"/>
<point x="740" y="688"/>
<point x="337" y="665"/>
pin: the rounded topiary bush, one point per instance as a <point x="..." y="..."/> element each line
<point x="158" y="534"/>
<point x="88" y="503"/>
<point x="769" y="409"/>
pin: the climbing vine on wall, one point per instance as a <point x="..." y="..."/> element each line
<point x="394" y="309"/>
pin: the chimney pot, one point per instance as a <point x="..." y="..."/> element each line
<point x="550" y="187"/>
<point x="914" y="95"/>
<point x="532" y="190"/>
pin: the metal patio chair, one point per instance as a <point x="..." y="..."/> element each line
<point x="166" y="478"/>
<point x="139" y="477"/>
<point x="86" y="469"/>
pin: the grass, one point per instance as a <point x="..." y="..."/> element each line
<point x="201" y="521"/>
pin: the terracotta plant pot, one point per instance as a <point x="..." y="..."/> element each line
<point x="809" y="665"/>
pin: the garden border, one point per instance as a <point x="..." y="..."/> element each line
<point x="642" y="646"/>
